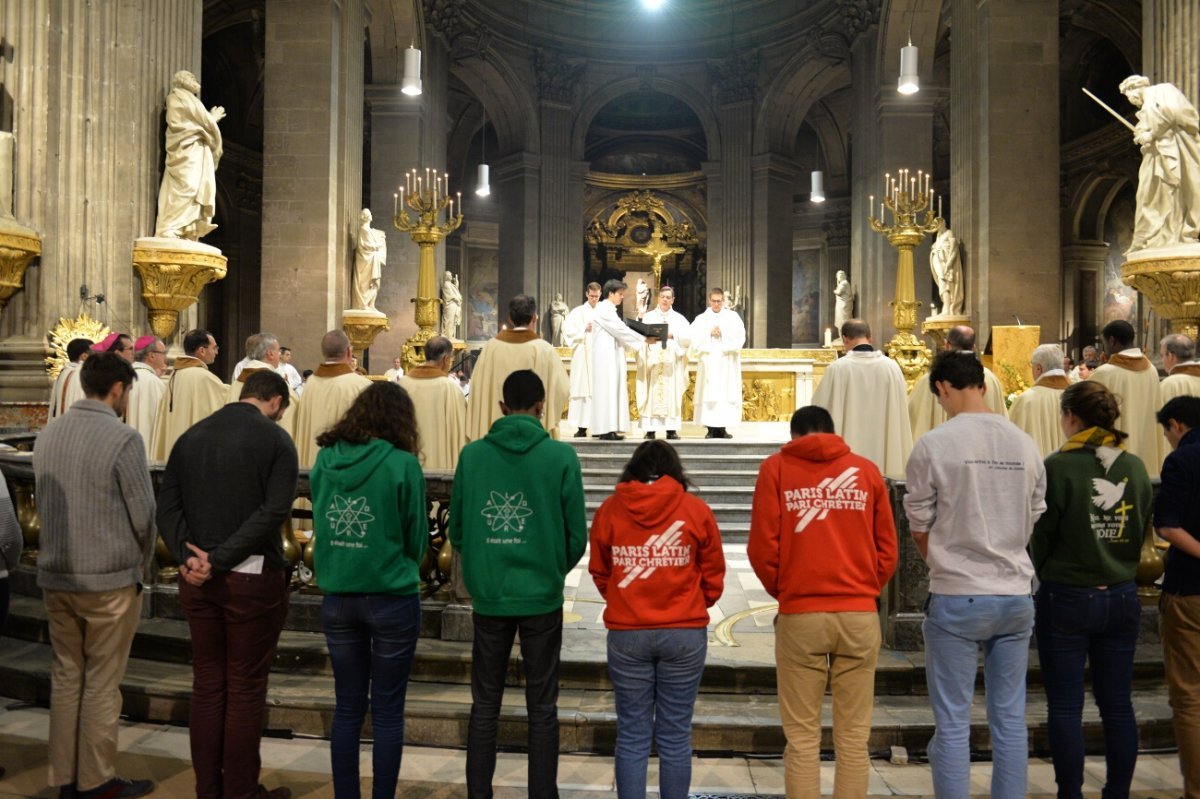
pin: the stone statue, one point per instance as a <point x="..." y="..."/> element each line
<point x="451" y="305"/>
<point x="843" y="301"/>
<point x="558" y="313"/>
<point x="643" y="298"/>
<point x="946" y="266"/>
<point x="370" y="256"/>
<point x="188" y="195"/>
<point x="734" y="300"/>
<point x="1168" y="192"/>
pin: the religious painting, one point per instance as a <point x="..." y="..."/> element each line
<point x="806" y="297"/>
<point x="1119" y="301"/>
<point x="483" y="285"/>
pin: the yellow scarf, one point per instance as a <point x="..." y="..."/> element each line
<point x="1091" y="438"/>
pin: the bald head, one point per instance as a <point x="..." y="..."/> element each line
<point x="855" y="332"/>
<point x="335" y="346"/>
<point x="961" y="338"/>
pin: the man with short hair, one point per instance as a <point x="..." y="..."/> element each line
<point x="295" y="381"/>
<point x="193" y="392"/>
<point x="396" y="372"/>
<point x="263" y="353"/>
<point x="718" y="336"/>
<point x="67" y="390"/>
<point x="611" y="337"/>
<point x="1088" y="354"/>
<point x="252" y="343"/>
<point x="1178" y="354"/>
<point x="865" y="393"/>
<point x="1129" y="375"/>
<point x="517" y="519"/>
<point x="577" y="334"/>
<point x="96" y="503"/>
<point x="149" y="364"/>
<point x="1177" y="521"/>
<point x="823" y="543"/>
<point x="662" y="377"/>
<point x="975" y="486"/>
<point x="118" y="344"/>
<point x="1037" y="410"/>
<point x="516" y="347"/>
<point x="439" y="405"/>
<point x="227" y="489"/>
<point x="328" y="394"/>
<point x="924" y="413"/>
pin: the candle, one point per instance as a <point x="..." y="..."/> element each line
<point x="460" y="203"/>
<point x="886" y="177"/>
<point x="939" y="206"/>
<point x="881" y="212"/>
<point x="395" y="204"/>
<point x="829" y="337"/>
<point x="927" y="183"/>
<point x="870" y="204"/>
<point x="451" y="214"/>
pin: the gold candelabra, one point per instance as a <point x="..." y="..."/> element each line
<point x="428" y="196"/>
<point x="908" y="198"/>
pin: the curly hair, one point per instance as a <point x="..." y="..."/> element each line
<point x="383" y="411"/>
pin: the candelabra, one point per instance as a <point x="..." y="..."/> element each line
<point x="428" y="197"/>
<point x="908" y="198"/>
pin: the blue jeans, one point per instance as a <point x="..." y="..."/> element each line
<point x="955" y="627"/>
<point x="1075" y="624"/>
<point x="655" y="676"/>
<point x="372" y="639"/>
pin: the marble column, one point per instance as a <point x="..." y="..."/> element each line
<point x="515" y="188"/>
<point x="730" y="205"/>
<point x="560" y="232"/>
<point x="1170" y="33"/>
<point x="312" y="166"/>
<point x="774" y="184"/>
<point x="84" y="85"/>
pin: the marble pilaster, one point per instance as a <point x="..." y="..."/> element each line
<point x="560" y="232"/>
<point x="774" y="184"/>
<point x="731" y="202"/>
<point x="1170" y="33"/>
<point x="515" y="188"/>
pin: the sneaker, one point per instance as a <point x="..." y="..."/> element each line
<point x="118" y="788"/>
<point x="274" y="793"/>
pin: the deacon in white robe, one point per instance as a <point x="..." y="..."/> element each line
<point x="146" y="393"/>
<point x="265" y="355"/>
<point x="439" y="405"/>
<point x="1183" y="379"/>
<point x="328" y="394"/>
<point x="1130" y="375"/>
<point x="718" y="336"/>
<point x="924" y="411"/>
<point x="865" y="393"/>
<point x="611" y="337"/>
<point x="396" y="372"/>
<point x="515" y="348"/>
<point x="662" y="377"/>
<point x="193" y="393"/>
<point x="1038" y="409"/>
<point x="577" y="334"/>
<point x="67" y="389"/>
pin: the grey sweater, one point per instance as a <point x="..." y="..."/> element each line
<point x="10" y="533"/>
<point x="96" y="501"/>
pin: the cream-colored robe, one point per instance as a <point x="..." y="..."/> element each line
<point x="441" y="411"/>
<point x="193" y="393"/>
<point x="328" y="394"/>
<point x="718" y="368"/>
<point x="67" y="390"/>
<point x="1132" y="377"/>
<point x="144" y="398"/>
<point x="288" y="422"/>
<point x="662" y="377"/>
<point x="1038" y="411"/>
<point x="510" y="351"/>
<point x="1184" y="381"/>
<point x="576" y="336"/>
<point x="866" y="395"/>
<point x="924" y="412"/>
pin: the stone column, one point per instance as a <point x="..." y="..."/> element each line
<point x="1170" y="33"/>
<point x="774" y="184"/>
<point x="312" y="166"/>
<point x="84" y="85"/>
<point x="560" y="229"/>
<point x="729" y="251"/>
<point x="516" y="180"/>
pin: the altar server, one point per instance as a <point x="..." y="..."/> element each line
<point x="610" y="338"/>
<point x="662" y="376"/>
<point x="1038" y="410"/>
<point x="67" y="390"/>
<point x="577" y="334"/>
<point x="718" y="336"/>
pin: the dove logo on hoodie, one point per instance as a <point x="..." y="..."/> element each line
<point x="1110" y="509"/>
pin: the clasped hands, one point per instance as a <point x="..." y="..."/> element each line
<point x="196" y="569"/>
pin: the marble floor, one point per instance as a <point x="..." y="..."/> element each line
<point x="160" y="752"/>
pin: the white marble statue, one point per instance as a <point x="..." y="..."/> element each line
<point x="370" y="256"/>
<point x="733" y="300"/>
<point x="843" y="301"/>
<point x="558" y="313"/>
<point x="946" y="265"/>
<point x="643" y="298"/>
<point x="451" y="305"/>
<point x="1168" y="192"/>
<point x="188" y="195"/>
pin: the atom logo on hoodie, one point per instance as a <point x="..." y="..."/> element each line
<point x="506" y="513"/>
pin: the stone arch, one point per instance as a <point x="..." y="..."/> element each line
<point x="1090" y="205"/>
<point x="801" y="82"/>
<point x="511" y="109"/>
<point x="681" y="91"/>
<point x="392" y="28"/>
<point x="898" y="20"/>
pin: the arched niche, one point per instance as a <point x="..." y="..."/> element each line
<point x="688" y="95"/>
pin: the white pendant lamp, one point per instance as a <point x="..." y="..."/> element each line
<point x="482" y="187"/>
<point x="910" y="83"/>
<point x="411" y="84"/>
<point x="817" y="193"/>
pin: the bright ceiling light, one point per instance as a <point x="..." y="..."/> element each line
<point x="411" y="83"/>
<point x="653" y="5"/>
<point x="910" y="82"/>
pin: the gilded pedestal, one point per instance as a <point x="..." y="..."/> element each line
<point x="938" y="327"/>
<point x="18" y="246"/>
<point x="1170" y="279"/>
<point x="173" y="273"/>
<point x="362" y="326"/>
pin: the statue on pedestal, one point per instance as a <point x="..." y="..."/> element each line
<point x="451" y="305"/>
<point x="187" y="196"/>
<point x="558" y="314"/>
<point x="1168" y="192"/>
<point x="370" y="256"/>
<point x="946" y="265"/>
<point x="734" y="300"/>
<point x="643" y="298"/>
<point x="843" y="301"/>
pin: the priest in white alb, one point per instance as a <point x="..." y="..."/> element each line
<point x="193" y="393"/>
<point x="924" y="411"/>
<point x="67" y="390"/>
<point x="611" y="337"/>
<point x="328" y="394"/>
<point x="718" y="336"/>
<point x="1038" y="409"/>
<point x="1129" y="374"/>
<point x="146" y="393"/>
<point x="1178" y="354"/>
<point x="263" y="353"/>
<point x="662" y="377"/>
<point x="439" y="406"/>
<point x="577" y="334"/>
<point x="516" y="347"/>
<point x="865" y="393"/>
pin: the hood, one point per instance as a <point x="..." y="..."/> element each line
<point x="517" y="433"/>
<point x="816" y="447"/>
<point x="349" y="466"/>
<point x="651" y="504"/>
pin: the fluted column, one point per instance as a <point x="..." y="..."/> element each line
<point x="774" y="185"/>
<point x="516" y="180"/>
<point x="560" y="232"/>
<point x="1170" y="35"/>
<point x="731" y="197"/>
<point x="87" y="83"/>
<point x="965" y="119"/>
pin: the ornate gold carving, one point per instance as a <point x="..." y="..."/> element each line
<point x="911" y="354"/>
<point x="631" y="385"/>
<point x="1172" y="285"/>
<point x="689" y="399"/>
<point x="172" y="281"/>
<point x="937" y="327"/>
<point x="767" y="397"/>
<point x="28" y="520"/>
<point x="62" y="334"/>
<point x="363" y="326"/>
<point x="17" y="249"/>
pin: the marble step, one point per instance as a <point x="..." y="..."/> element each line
<point x="739" y="496"/>
<point x="436" y="714"/>
<point x="732" y="517"/>
<point x="607" y="475"/>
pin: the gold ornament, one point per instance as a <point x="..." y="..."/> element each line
<point x="172" y="280"/>
<point x="1172" y="285"/>
<point x="66" y="331"/>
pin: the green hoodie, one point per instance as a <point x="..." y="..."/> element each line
<point x="369" y="519"/>
<point x="517" y="518"/>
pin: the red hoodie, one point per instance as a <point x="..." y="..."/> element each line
<point x="822" y="537"/>
<point x="656" y="557"/>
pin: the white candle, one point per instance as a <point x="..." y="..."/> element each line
<point x="870" y="204"/>
<point x="451" y="214"/>
<point x="881" y="212"/>
<point x="460" y="203"/>
<point x="395" y="204"/>
<point x="829" y="337"/>
<point x="939" y="205"/>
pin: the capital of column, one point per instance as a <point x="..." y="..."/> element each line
<point x="518" y="165"/>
